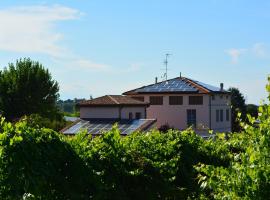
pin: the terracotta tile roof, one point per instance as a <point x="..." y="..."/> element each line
<point x="112" y="100"/>
<point x="177" y="85"/>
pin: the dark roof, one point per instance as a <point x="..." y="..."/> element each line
<point x="99" y="126"/>
<point x="112" y="100"/>
<point x="177" y="85"/>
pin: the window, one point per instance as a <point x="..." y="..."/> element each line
<point x="213" y="97"/>
<point x="139" y="98"/>
<point x="130" y="116"/>
<point x="175" y="100"/>
<point x="191" y="117"/>
<point x="217" y="115"/>
<point x="221" y="96"/>
<point x="221" y="115"/>
<point x="138" y="115"/>
<point x="156" y="100"/>
<point x="195" y="100"/>
<point x="227" y="115"/>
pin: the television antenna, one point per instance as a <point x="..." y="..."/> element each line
<point x="166" y="65"/>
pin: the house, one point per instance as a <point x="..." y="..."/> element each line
<point x="179" y="103"/>
<point x="100" y="114"/>
<point x="182" y="102"/>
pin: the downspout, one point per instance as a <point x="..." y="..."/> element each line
<point x="120" y="112"/>
<point x="210" y="113"/>
<point x="145" y="117"/>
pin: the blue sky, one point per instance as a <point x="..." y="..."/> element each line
<point x="97" y="47"/>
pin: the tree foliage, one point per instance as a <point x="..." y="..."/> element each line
<point x="46" y="165"/>
<point x="39" y="163"/>
<point x="252" y="110"/>
<point x="26" y="87"/>
<point x="248" y="174"/>
<point x="36" y="121"/>
<point x="238" y="106"/>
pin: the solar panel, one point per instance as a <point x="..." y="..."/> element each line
<point x="100" y="126"/>
<point x="210" y="87"/>
<point x="174" y="85"/>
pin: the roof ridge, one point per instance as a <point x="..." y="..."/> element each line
<point x="198" y="86"/>
<point x="114" y="100"/>
<point x="125" y="93"/>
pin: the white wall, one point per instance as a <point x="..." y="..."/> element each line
<point x="221" y="102"/>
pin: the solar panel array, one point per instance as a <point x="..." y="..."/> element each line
<point x="99" y="126"/>
<point x="209" y="87"/>
<point x="173" y="85"/>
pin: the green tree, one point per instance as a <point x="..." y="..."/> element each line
<point x="26" y="87"/>
<point x="248" y="174"/>
<point x="238" y="106"/>
<point x="252" y="110"/>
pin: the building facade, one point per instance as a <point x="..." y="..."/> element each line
<point x="182" y="102"/>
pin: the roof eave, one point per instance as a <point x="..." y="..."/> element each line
<point x="114" y="105"/>
<point x="169" y="92"/>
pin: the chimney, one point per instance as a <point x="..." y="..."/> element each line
<point x="180" y="75"/>
<point x="156" y="80"/>
<point x="221" y="86"/>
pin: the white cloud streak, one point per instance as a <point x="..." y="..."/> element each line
<point x="258" y="50"/>
<point x="31" y="29"/>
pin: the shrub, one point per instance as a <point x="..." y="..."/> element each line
<point x="40" y="163"/>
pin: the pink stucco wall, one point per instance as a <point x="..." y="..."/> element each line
<point x="126" y="110"/>
<point x="176" y="115"/>
<point x="99" y="112"/>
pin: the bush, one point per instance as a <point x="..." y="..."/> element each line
<point x="40" y="163"/>
<point x="36" y="121"/>
<point x="248" y="174"/>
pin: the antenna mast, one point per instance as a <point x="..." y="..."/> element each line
<point x="166" y="65"/>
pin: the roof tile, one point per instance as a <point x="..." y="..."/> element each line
<point x="112" y="100"/>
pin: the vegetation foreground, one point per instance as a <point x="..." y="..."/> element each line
<point x="39" y="163"/>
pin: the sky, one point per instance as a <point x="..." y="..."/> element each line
<point x="98" y="47"/>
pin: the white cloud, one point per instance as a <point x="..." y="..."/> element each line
<point x="86" y="64"/>
<point x="30" y="29"/>
<point x="235" y="54"/>
<point x="259" y="49"/>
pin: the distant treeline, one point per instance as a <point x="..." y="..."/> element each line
<point x="69" y="106"/>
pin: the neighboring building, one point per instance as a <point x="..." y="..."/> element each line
<point x="100" y="114"/>
<point x="113" y="107"/>
<point x="183" y="102"/>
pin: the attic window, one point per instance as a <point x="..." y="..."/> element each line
<point x="156" y="100"/>
<point x="195" y="100"/>
<point x="175" y="100"/>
